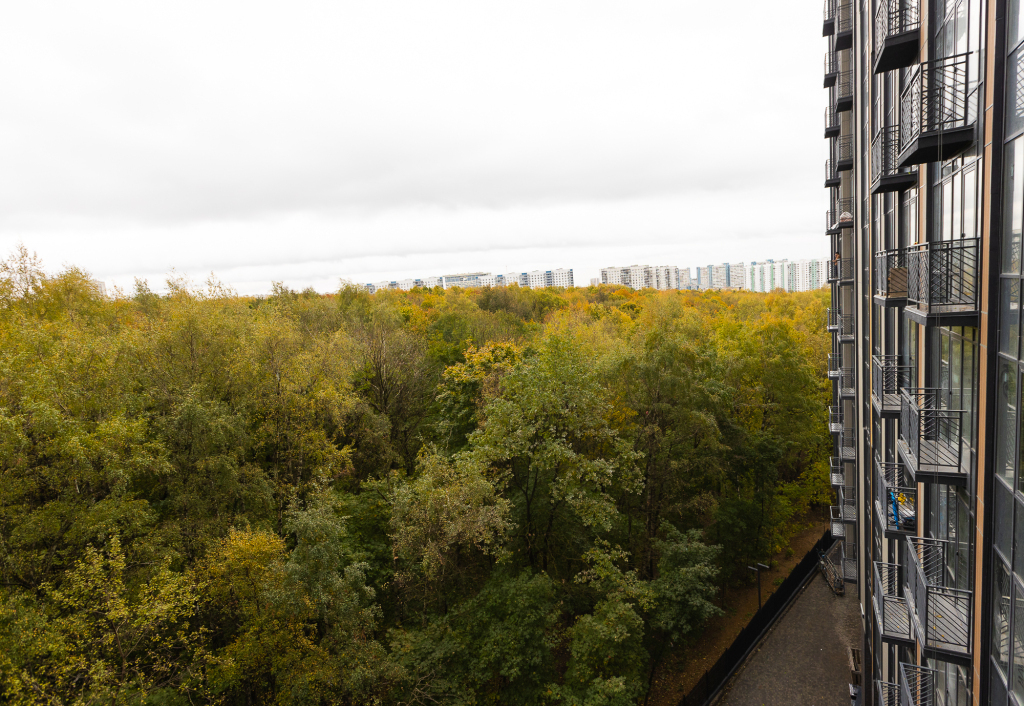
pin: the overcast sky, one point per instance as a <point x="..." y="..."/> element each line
<point x="307" y="142"/>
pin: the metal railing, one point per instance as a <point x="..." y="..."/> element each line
<point x="844" y="17"/>
<point x="847" y="382"/>
<point x="931" y="435"/>
<point x="891" y="273"/>
<point x="836" y="523"/>
<point x="889" y="601"/>
<point x="943" y="275"/>
<point x="835" y="418"/>
<point x="841" y="214"/>
<point x="941" y="614"/>
<point x="888" y="377"/>
<point x="843" y="151"/>
<point x="896" y="497"/>
<point x="835" y="364"/>
<point x="831" y="63"/>
<point x="831" y="173"/>
<point x="831" y="119"/>
<point x="830" y="10"/>
<point x="885" y="151"/>
<point x="847" y="499"/>
<point x="935" y="98"/>
<point x="847" y="445"/>
<point x="887" y="693"/>
<point x="838" y="475"/>
<point x="840" y="270"/>
<point x="844" y="86"/>
<point x="849" y="560"/>
<point x="895" y="17"/>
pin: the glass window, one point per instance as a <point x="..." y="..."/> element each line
<point x="1014" y="27"/>
<point x="1018" y="540"/>
<point x="970" y="203"/>
<point x="1003" y="519"/>
<point x="1009" y="330"/>
<point x="1001" y="616"/>
<point x="1006" y="421"/>
<point x="1018" y="648"/>
<point x="1015" y="207"/>
<point x="1015" y="92"/>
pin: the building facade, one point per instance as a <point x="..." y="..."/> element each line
<point x="925" y="180"/>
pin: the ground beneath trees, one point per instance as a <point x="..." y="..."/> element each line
<point x="684" y="667"/>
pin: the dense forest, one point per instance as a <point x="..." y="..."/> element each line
<point x="488" y="496"/>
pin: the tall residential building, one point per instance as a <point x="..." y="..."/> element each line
<point x="768" y="276"/>
<point x="925" y="178"/>
<point x="647" y="277"/>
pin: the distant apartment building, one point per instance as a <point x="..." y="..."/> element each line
<point x="647" y="277"/>
<point x="536" y="279"/>
<point x="767" y="276"/>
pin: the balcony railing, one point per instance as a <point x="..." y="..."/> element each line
<point x="888" y="377"/>
<point x="890" y="604"/>
<point x="891" y="274"/>
<point x="831" y="69"/>
<point x="942" y="276"/>
<point x="941" y="615"/>
<point x="897" y="30"/>
<point x="829" y="27"/>
<point x="846" y="496"/>
<point x="843" y="91"/>
<point x="840" y="270"/>
<point x="849" y="554"/>
<point x="931" y="437"/>
<point x="847" y="382"/>
<point x="840" y="323"/>
<point x="846" y="443"/>
<point x="887" y="693"/>
<point x="843" y="153"/>
<point x="936" y="118"/>
<point x="835" y="419"/>
<point x="923" y="686"/>
<point x="836" y="523"/>
<point x="840" y="215"/>
<point x="885" y="171"/>
<point x="832" y="178"/>
<point x="896" y="498"/>
<point x="835" y="364"/>
<point x="832" y="124"/>
<point x="838" y="475"/>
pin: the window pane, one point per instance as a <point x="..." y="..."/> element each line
<point x="1015" y="93"/>
<point x="1006" y="421"/>
<point x="1009" y="314"/>
<point x="1001" y="616"/>
<point x="970" y="199"/>
<point x="1014" y="28"/>
<point x="1003" y="519"/>
<point x="1018" y="648"/>
<point x="1014" y="213"/>
<point x="1018" y="540"/>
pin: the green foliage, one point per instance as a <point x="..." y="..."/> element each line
<point x="438" y="496"/>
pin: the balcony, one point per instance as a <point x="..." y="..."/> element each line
<point x="835" y="419"/>
<point x="941" y="615"/>
<point x="897" y="34"/>
<point x="942" y="281"/>
<point x="831" y="69"/>
<point x="936" y="115"/>
<point x="890" y="605"/>
<point x="843" y="153"/>
<point x="847" y="499"/>
<point x="886" y="175"/>
<point x="838" y="22"/>
<point x="891" y="277"/>
<point x="839" y="216"/>
<point x="836" y="523"/>
<point x="930" y="440"/>
<point x="888" y="377"/>
<point x="846" y="443"/>
<point x="838" y="475"/>
<point x="849" y="561"/>
<point x="831" y="174"/>
<point x="895" y="500"/>
<point x="922" y="686"/>
<point x="887" y="694"/>
<point x="840" y="270"/>
<point x="841" y="324"/>
<point x="835" y="363"/>
<point x="847" y="383"/>
<point x="842" y="92"/>
<point x="832" y="125"/>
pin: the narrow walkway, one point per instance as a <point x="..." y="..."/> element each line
<point x="805" y="659"/>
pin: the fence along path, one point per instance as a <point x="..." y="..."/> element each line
<point x="716" y="677"/>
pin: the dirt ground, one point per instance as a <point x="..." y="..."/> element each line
<point x="680" y="670"/>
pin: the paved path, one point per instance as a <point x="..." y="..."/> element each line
<point x="805" y="659"/>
